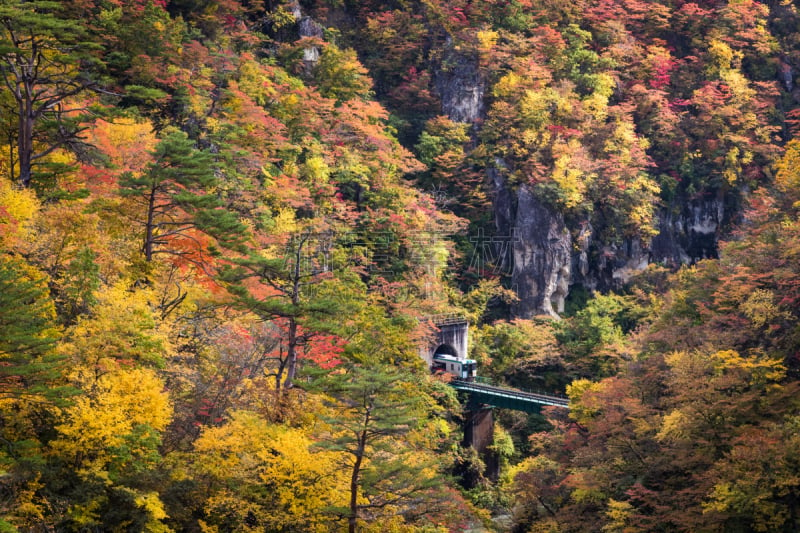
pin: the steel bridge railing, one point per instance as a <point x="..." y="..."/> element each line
<point x="446" y="319"/>
<point x="511" y="394"/>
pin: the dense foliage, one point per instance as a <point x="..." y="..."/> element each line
<point x="224" y="222"/>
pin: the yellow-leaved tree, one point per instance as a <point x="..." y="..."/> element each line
<point x="121" y="330"/>
<point x="787" y="177"/>
<point x="108" y="448"/>
<point x="17" y="208"/>
<point x="260" y="475"/>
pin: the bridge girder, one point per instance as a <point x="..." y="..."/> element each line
<point x="507" y="398"/>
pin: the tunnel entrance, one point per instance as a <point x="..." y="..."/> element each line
<point x="445" y="349"/>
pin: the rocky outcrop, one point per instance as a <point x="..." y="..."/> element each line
<point x="542" y="252"/>
<point x="603" y="266"/>
<point x="307" y="27"/>
<point x="460" y="85"/>
<point x="504" y="214"/>
<point x="547" y="260"/>
<point x="689" y="233"/>
<point x="547" y="256"/>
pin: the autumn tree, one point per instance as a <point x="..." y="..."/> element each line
<point x="259" y="474"/>
<point x="523" y="352"/>
<point x="375" y="414"/>
<point x="282" y="285"/>
<point x="754" y="484"/>
<point x="45" y="62"/>
<point x="106" y="449"/>
<point x="176" y="192"/>
<point x="340" y="76"/>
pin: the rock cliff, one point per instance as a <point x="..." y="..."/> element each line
<point x="459" y="85"/>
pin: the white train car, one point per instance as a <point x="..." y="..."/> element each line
<point x="465" y="369"/>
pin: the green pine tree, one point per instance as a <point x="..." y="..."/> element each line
<point x="305" y="297"/>
<point x="46" y="60"/>
<point x="28" y="334"/>
<point x="177" y="192"/>
<point x="376" y="411"/>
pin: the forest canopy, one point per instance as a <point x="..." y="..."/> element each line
<point x="225" y="225"/>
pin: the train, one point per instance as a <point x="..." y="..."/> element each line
<point x="464" y="369"/>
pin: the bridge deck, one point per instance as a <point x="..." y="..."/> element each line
<point x="508" y="398"/>
<point x="445" y="319"/>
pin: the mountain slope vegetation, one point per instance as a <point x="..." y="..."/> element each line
<point x="224" y="225"/>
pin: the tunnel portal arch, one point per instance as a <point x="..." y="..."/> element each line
<point x="445" y="349"/>
<point x="451" y="338"/>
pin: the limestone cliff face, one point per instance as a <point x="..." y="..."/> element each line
<point x="460" y="86"/>
<point x="504" y="216"/>
<point x="549" y="257"/>
<point x="539" y="256"/>
<point x="540" y="250"/>
<point x="307" y="27"/>
<point x="691" y="231"/>
<point x="542" y="253"/>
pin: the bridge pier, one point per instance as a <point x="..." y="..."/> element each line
<point x="479" y="434"/>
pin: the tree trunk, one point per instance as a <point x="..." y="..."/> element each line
<point x="25" y="143"/>
<point x="291" y="354"/>
<point x="147" y="248"/>
<point x="294" y="341"/>
<point x="352" y="520"/>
